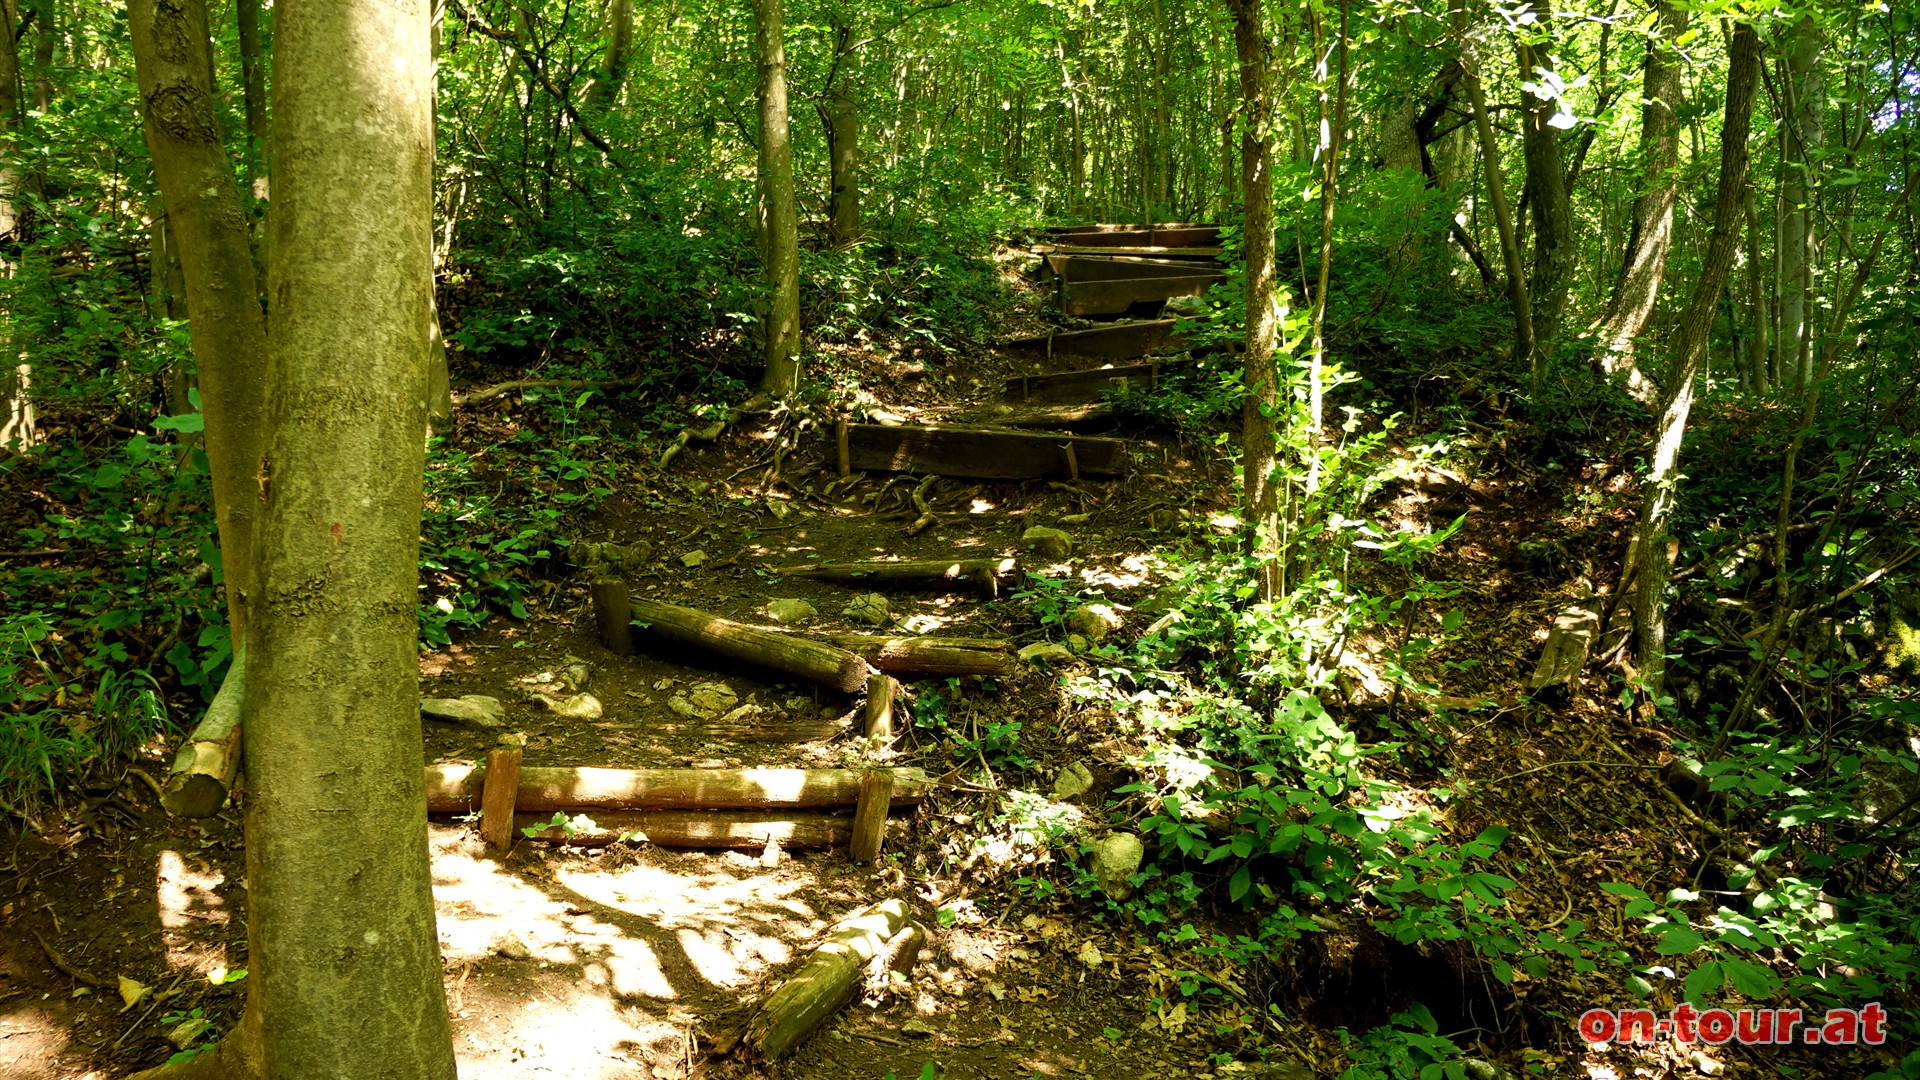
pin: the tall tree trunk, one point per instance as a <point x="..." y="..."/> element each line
<point x="779" y="216"/>
<point x="18" y="424"/>
<point x="842" y="120"/>
<point x="1524" y="353"/>
<point x="1333" y="122"/>
<point x="1758" y="375"/>
<point x="340" y="902"/>
<point x="1689" y="350"/>
<point x="1546" y="192"/>
<point x="1260" y="495"/>
<point x="605" y="87"/>
<point x="209" y="225"/>
<point x="253" y="85"/>
<point x="1631" y="304"/>
<point x="1802" y="133"/>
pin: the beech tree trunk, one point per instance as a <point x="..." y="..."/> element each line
<point x="346" y="962"/>
<point x="841" y="116"/>
<point x="779" y="215"/>
<point x="1689" y="350"/>
<point x="1523" y="342"/>
<point x="1631" y="304"/>
<point x="605" y="87"/>
<point x="1546" y="192"/>
<point x="253" y="84"/>
<point x="208" y="223"/>
<point x="1803" y="132"/>
<point x="1260" y="494"/>
<point x="18" y="425"/>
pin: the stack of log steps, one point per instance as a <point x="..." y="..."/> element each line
<point x="1121" y="341"/>
<point x="692" y="808"/>
<point x="981" y="452"/>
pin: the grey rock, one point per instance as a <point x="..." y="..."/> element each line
<point x="1051" y="543"/>
<point x="575" y="706"/>
<point x="1050" y="652"/>
<point x="1115" y="859"/>
<point x="1093" y="621"/>
<point x="869" y="608"/>
<point x="1076" y="779"/>
<point x="790" y="611"/>
<point x="477" y="711"/>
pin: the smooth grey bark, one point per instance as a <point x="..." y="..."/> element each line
<point x="1758" y="346"/>
<point x="779" y="214"/>
<point x="208" y="224"/>
<point x="18" y="422"/>
<point x="1630" y="306"/>
<point x="253" y="84"/>
<point x="607" y="83"/>
<point x="840" y="116"/>
<point x="1689" y="351"/>
<point x="340" y="905"/>
<point x="1524" y="351"/>
<point x="1260" y="497"/>
<point x="1802" y="133"/>
<point x="1546" y="193"/>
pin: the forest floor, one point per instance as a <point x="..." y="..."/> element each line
<point x="624" y="962"/>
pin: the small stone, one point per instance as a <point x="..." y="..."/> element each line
<point x="477" y="711"/>
<point x="577" y="674"/>
<point x="1706" y="1065"/>
<point x="1051" y="543"/>
<point x="742" y="714"/>
<point x="578" y="706"/>
<point x="790" y="611"/>
<point x="1075" y="519"/>
<point x="712" y="699"/>
<point x="188" y="1031"/>
<point x="692" y="559"/>
<point x="682" y="707"/>
<point x="1115" y="859"/>
<point x="770" y="855"/>
<point x="779" y="509"/>
<point x="1078" y="643"/>
<point x="1076" y="779"/>
<point x="1050" y="652"/>
<point x="663" y="684"/>
<point x="512" y="947"/>
<point x="1093" y="621"/>
<point x="869" y="608"/>
<point x="1089" y="955"/>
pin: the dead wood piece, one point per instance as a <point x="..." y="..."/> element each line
<point x="982" y="574"/>
<point x="901" y="953"/>
<point x="475" y="397"/>
<point x="204" y="768"/>
<point x="878" y="721"/>
<point x="498" y="791"/>
<point x="870" y="816"/>
<point x="456" y="788"/>
<point x="1122" y="341"/>
<point x="613" y="612"/>
<point x="1093" y="384"/>
<point x="1077" y="414"/>
<point x="965" y="451"/>
<point x="833" y="667"/>
<point x="71" y="971"/>
<point x="1565" y="654"/>
<point x="738" y="831"/>
<point x="920" y="502"/>
<point x="930" y="655"/>
<point x="1071" y="268"/>
<point x="1085" y="298"/>
<point x="824" y="983"/>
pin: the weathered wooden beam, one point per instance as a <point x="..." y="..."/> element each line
<point x="870" y="816"/>
<point x="882" y="691"/>
<point x="984" y="575"/>
<point x="1565" y="654"/>
<point x="729" y="830"/>
<point x="824" y="983"/>
<point x="948" y="450"/>
<point x="1091" y="384"/>
<point x="824" y="664"/>
<point x="499" y="789"/>
<point x="613" y="613"/>
<point x="1066" y="230"/>
<point x="1121" y="341"/>
<point x="1083" y="298"/>
<point x="930" y="655"/>
<point x="454" y="788"/>
<point x="1097" y="268"/>
<point x="1193" y="254"/>
<point x="1155" y="236"/>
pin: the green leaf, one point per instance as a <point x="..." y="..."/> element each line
<point x="1678" y="940"/>
<point x="186" y="423"/>
<point x="1242" y="881"/>
<point x="1702" y="981"/>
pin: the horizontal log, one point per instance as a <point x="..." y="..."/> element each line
<point x="930" y="655"/>
<point x="454" y="788"/>
<point x="1154" y="236"/>
<point x="1121" y="341"/>
<point x="824" y="664"/>
<point x="1073" y="268"/>
<point x="1068" y="230"/>
<point x="1190" y="254"/>
<point x="974" y="573"/>
<point x="1092" y="384"/>
<point x="1083" y="298"/>
<point x="1071" y="415"/>
<point x="735" y="831"/>
<point x="964" y="451"/>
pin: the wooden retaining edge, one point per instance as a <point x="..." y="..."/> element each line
<point x="724" y="830"/>
<point x="824" y="664"/>
<point x="1193" y="254"/>
<point x="1152" y="236"/>
<point x="1082" y="298"/>
<point x="1121" y="341"/>
<point x="1090" y="384"/>
<point x="454" y="788"/>
<point x="982" y="452"/>
<point x="1100" y="268"/>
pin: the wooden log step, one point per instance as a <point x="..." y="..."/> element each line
<point x="825" y="982"/>
<point x="912" y="656"/>
<point x="1091" y="384"/>
<point x="1153" y="236"/>
<point x="455" y="787"/>
<point x="1201" y="255"/>
<point x="824" y="664"/>
<point x="982" y="574"/>
<point x="1094" y="268"/>
<point x="981" y="452"/>
<point x="1121" y="341"/>
<point x="1071" y="415"/>
<point x="1084" y="298"/>
<point x="736" y="831"/>
<point x="1065" y="230"/>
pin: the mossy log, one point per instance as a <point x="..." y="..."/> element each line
<point x="737" y="830"/>
<point x="832" y="667"/>
<point x="912" y="656"/>
<point x="204" y="768"/>
<point x="825" y="982"/>
<point x="455" y="788"/>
